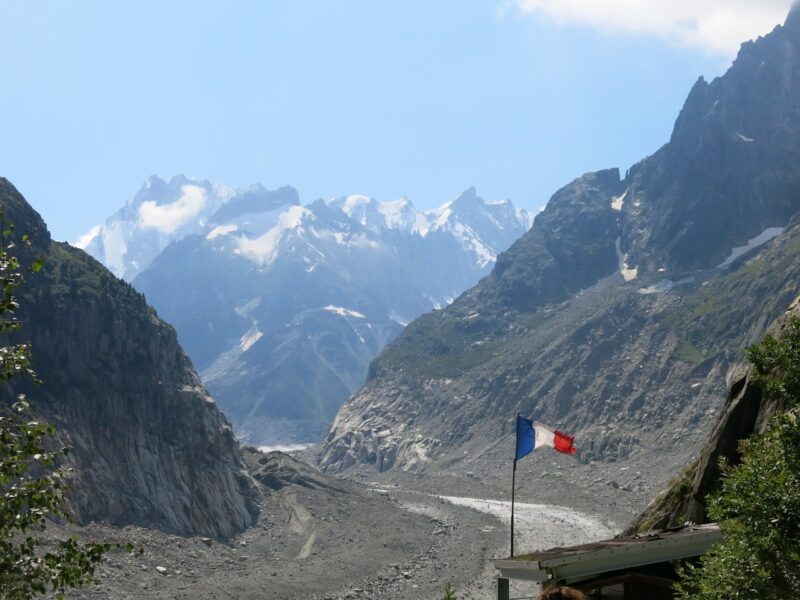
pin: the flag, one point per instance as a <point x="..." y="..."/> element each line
<point x="525" y="437"/>
<point x="532" y="435"/>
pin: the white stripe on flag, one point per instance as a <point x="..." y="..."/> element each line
<point x="544" y="436"/>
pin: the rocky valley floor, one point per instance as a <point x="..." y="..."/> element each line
<point x="393" y="536"/>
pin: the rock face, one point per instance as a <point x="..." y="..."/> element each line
<point x="283" y="306"/>
<point x="149" y="445"/>
<point x="729" y="171"/>
<point x="619" y="314"/>
<point x="746" y="412"/>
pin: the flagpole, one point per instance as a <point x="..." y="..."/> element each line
<point x="513" y="488"/>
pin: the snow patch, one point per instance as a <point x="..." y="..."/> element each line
<point x="87" y="237"/>
<point x="264" y="249"/>
<point x="245" y="308"/>
<point x="663" y="286"/>
<point x="344" y="312"/>
<point x="223" y="192"/>
<point x="285" y="448"/>
<point x="398" y="319"/>
<point x="394" y="212"/>
<point x="221" y="230"/>
<point x="249" y="338"/>
<point x="470" y="240"/>
<point x="761" y="239"/>
<point x="628" y="273"/>
<point x="353" y="203"/>
<point x="168" y="218"/>
<point x="616" y="203"/>
<point x="422" y="224"/>
<point x="115" y="248"/>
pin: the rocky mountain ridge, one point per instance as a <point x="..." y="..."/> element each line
<point x="282" y="306"/>
<point x="619" y="314"/>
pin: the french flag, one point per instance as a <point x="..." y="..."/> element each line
<point x="532" y="435"/>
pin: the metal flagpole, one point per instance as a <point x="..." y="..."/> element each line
<point x="513" y="488"/>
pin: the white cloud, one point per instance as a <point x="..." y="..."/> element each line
<point x="87" y="238"/>
<point x="716" y="26"/>
<point x="168" y="218"/>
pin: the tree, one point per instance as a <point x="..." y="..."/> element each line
<point x="758" y="505"/>
<point x="31" y="487"/>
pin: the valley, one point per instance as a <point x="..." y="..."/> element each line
<point x="266" y="394"/>
<point x="320" y="537"/>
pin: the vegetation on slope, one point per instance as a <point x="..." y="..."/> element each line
<point x="758" y="505"/>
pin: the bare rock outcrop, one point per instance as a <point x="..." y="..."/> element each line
<point x="746" y="412"/>
<point x="149" y="445"/>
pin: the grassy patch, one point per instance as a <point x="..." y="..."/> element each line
<point x="689" y="353"/>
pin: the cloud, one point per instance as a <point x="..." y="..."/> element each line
<point x="167" y="218"/>
<point x="87" y="238"/>
<point x="715" y="26"/>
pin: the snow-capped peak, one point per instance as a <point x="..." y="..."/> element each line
<point x="481" y="227"/>
<point x="158" y="214"/>
<point x="168" y="217"/>
<point x="260" y="225"/>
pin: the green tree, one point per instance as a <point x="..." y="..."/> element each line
<point x="31" y="488"/>
<point x="758" y="505"/>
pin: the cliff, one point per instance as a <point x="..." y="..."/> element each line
<point x="148" y="444"/>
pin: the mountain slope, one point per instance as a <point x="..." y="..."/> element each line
<point x="282" y="307"/>
<point x="619" y="314"/>
<point x="746" y="412"/>
<point x="149" y="446"/>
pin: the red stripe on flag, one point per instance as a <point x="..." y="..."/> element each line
<point x="563" y="443"/>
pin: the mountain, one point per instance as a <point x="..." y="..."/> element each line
<point x="618" y="316"/>
<point x="162" y="212"/>
<point x="282" y="306"/>
<point x="148" y="444"/>
<point x="746" y="412"/>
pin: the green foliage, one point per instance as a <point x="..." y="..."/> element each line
<point x="777" y="364"/>
<point x="449" y="592"/>
<point x="30" y="486"/>
<point x="758" y="505"/>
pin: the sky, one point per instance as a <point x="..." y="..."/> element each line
<point x="415" y="98"/>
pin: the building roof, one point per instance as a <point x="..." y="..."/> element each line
<point x="590" y="560"/>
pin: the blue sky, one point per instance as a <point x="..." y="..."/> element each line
<point x="415" y="98"/>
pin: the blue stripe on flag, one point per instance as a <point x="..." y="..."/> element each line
<point x="525" y="437"/>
